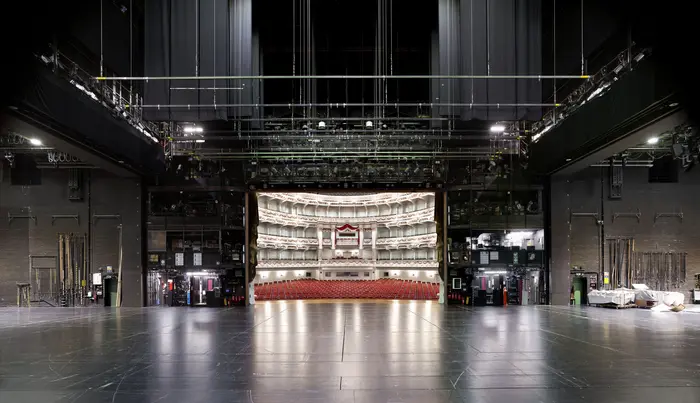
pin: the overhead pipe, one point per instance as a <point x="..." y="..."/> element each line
<point x="607" y="165"/>
<point x="208" y="88"/>
<point x="330" y="136"/>
<point x="377" y="131"/>
<point x="276" y="150"/>
<point x="321" y="133"/>
<point x="349" y="77"/>
<point x="348" y="105"/>
<point x="328" y="155"/>
<point x="484" y="150"/>
<point x="340" y="118"/>
<point x="319" y="158"/>
<point x="649" y="149"/>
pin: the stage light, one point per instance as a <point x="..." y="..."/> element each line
<point x="498" y="129"/>
<point x="653" y="140"/>
<point x="199" y="141"/>
<point x="193" y="129"/>
<point x="321" y="125"/>
<point x="368" y="123"/>
<point x="35" y="142"/>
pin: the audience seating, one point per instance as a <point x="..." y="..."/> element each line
<point x="346" y="289"/>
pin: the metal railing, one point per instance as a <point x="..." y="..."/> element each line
<point x="590" y="89"/>
<point x="121" y="101"/>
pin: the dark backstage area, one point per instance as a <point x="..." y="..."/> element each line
<point x="268" y="201"/>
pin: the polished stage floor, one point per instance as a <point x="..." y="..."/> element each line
<point x="360" y="352"/>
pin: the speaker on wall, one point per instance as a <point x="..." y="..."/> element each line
<point x="664" y="170"/>
<point x="25" y="171"/>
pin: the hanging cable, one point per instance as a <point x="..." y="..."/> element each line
<point x="448" y="11"/>
<point x="301" y="52"/>
<point x="582" y="53"/>
<point x="307" y="32"/>
<point x="102" y="54"/>
<point x="391" y="45"/>
<point x="387" y="51"/>
<point x="214" y="19"/>
<point x="131" y="49"/>
<point x="554" y="59"/>
<point x="488" y="47"/>
<point x="488" y="38"/>
<point x="471" y="40"/>
<point x="196" y="38"/>
<point x="294" y="43"/>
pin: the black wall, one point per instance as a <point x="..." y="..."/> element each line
<point x="480" y="37"/>
<point x="575" y="241"/>
<point x="107" y="195"/>
<point x="107" y="21"/>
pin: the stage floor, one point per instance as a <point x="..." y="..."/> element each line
<point x="349" y="351"/>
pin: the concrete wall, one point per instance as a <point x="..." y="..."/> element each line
<point x="108" y="195"/>
<point x="575" y="240"/>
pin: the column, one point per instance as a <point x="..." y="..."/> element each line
<point x="374" y="243"/>
<point x="319" y="234"/>
<point x="362" y="237"/>
<point x="333" y="237"/>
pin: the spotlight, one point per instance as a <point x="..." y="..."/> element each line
<point x="193" y="129"/>
<point x="10" y="159"/>
<point x="321" y="125"/>
<point x="498" y="129"/>
<point x="35" y="142"/>
<point x="653" y="140"/>
<point x="368" y="123"/>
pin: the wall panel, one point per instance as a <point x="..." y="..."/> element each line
<point x="578" y="244"/>
<point x="108" y="195"/>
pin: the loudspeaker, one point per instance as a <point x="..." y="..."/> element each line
<point x="677" y="150"/>
<point x="664" y="170"/>
<point x="25" y="171"/>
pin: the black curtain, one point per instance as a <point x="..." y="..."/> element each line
<point x="491" y="37"/>
<point x="204" y="38"/>
<point x="449" y="55"/>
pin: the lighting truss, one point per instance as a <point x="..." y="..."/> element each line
<point x="346" y="170"/>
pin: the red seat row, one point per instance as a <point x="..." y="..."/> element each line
<point x="347" y="289"/>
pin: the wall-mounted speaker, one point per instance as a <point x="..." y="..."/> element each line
<point x="664" y="170"/>
<point x="25" y="171"/>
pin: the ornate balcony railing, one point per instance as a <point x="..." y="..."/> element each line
<point x="412" y="218"/>
<point x="356" y="263"/>
<point x="408" y="242"/>
<point x="349" y="200"/>
<point x="281" y="242"/>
